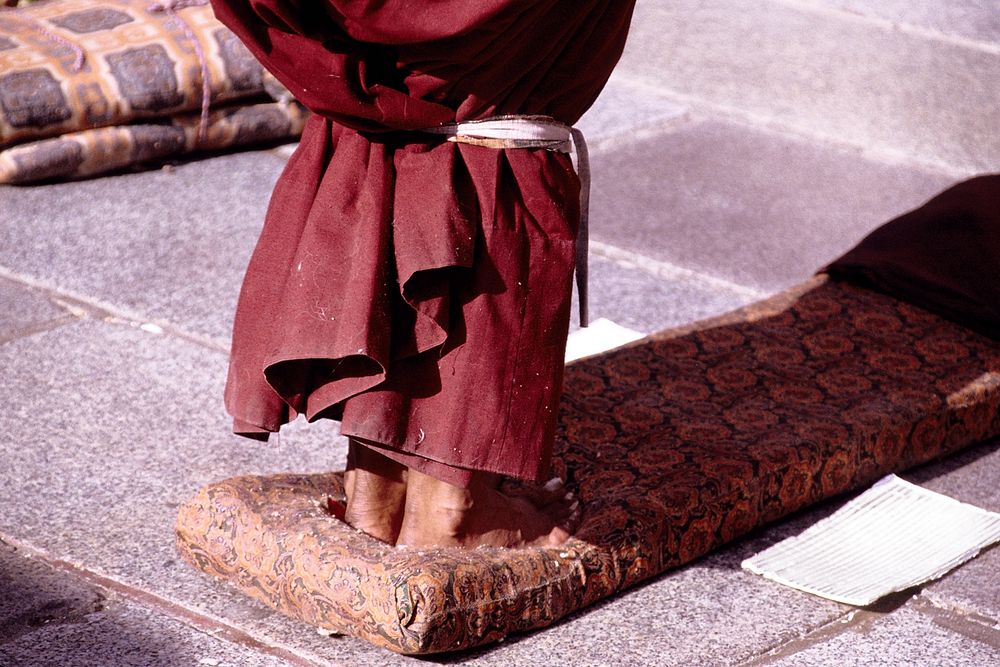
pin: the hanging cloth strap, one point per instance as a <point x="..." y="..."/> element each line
<point x="536" y="132"/>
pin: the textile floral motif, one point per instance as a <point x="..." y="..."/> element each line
<point x="708" y="438"/>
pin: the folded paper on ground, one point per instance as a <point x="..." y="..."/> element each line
<point x="892" y="537"/>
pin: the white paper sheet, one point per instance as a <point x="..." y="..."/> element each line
<point x="894" y="536"/>
<point x="602" y="335"/>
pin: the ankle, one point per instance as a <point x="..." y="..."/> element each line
<point x="427" y="495"/>
<point x="365" y="459"/>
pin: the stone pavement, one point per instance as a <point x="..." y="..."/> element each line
<point x="739" y="147"/>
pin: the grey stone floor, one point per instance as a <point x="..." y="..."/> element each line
<point x="739" y="147"/>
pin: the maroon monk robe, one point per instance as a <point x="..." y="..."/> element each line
<point x="943" y="256"/>
<point x="415" y="288"/>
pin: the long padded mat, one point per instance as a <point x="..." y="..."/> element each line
<point x="677" y="444"/>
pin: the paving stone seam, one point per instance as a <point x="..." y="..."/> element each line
<point x="706" y="110"/>
<point x="957" y="618"/>
<point x="206" y="623"/>
<point x="612" y="141"/>
<point x="889" y="25"/>
<point x="657" y="268"/>
<point x="82" y="306"/>
<point x="856" y="619"/>
<point x="37" y="328"/>
<point x="950" y="617"/>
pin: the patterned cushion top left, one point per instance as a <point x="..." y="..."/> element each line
<point x="70" y="65"/>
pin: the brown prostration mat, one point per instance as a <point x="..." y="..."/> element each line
<point x="677" y="444"/>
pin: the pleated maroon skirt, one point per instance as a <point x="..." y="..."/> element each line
<point x="415" y="288"/>
<point x="426" y="330"/>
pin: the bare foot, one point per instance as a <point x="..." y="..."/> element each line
<point x="538" y="494"/>
<point x="375" y="487"/>
<point x="441" y="515"/>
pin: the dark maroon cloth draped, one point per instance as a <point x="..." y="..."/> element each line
<point x="943" y="256"/>
<point x="416" y="288"/>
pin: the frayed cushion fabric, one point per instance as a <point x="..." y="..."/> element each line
<point x="675" y="445"/>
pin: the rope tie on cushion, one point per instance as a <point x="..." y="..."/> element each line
<point x="517" y="131"/>
<point x="79" y="55"/>
<point x="170" y="8"/>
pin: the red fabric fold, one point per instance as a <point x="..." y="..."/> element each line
<point x="943" y="256"/>
<point x="414" y="288"/>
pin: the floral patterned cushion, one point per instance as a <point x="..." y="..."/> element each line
<point x="676" y="445"/>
